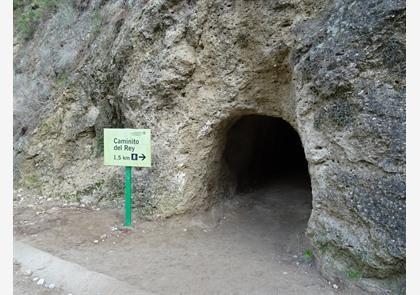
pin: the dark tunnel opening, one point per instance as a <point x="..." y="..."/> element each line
<point x="261" y="150"/>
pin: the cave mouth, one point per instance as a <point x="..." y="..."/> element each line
<point x="262" y="150"/>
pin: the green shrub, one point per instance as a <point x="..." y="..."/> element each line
<point x="308" y="253"/>
<point x="354" y="274"/>
<point x="27" y="15"/>
<point x="96" y="21"/>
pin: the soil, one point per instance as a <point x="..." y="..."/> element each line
<point x="24" y="284"/>
<point x="253" y="243"/>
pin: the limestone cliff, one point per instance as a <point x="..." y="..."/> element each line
<point x="188" y="70"/>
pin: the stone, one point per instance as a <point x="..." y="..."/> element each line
<point x="334" y="70"/>
<point x="27" y="272"/>
<point x="40" y="282"/>
<point x="88" y="200"/>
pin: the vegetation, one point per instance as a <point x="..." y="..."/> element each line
<point x="308" y="253"/>
<point x="28" y="13"/>
<point x="96" y="21"/>
<point x="61" y="79"/>
<point x="354" y="274"/>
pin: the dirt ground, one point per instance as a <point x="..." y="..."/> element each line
<point x="26" y="284"/>
<point x="251" y="244"/>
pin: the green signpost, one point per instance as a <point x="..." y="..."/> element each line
<point x="129" y="148"/>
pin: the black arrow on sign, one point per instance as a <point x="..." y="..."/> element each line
<point x="142" y="157"/>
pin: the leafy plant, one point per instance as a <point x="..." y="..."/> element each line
<point x="27" y="14"/>
<point x="308" y="253"/>
<point x="61" y="79"/>
<point x="96" y="21"/>
<point x="354" y="274"/>
<point x="17" y="4"/>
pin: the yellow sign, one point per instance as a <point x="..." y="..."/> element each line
<point x="127" y="147"/>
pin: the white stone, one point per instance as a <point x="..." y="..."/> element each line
<point x="27" y="272"/>
<point x="40" y="282"/>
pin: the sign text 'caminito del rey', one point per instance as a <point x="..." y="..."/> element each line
<point x="127" y="147"/>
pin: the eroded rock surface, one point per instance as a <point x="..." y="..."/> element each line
<point x="335" y="70"/>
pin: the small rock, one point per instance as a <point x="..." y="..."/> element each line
<point x="295" y="256"/>
<point x="285" y="272"/>
<point x="27" y="272"/>
<point x="51" y="286"/>
<point x="185" y="229"/>
<point x="335" y="286"/>
<point x="87" y="200"/>
<point x="103" y="237"/>
<point x="96" y="241"/>
<point x="35" y="279"/>
<point x="40" y="282"/>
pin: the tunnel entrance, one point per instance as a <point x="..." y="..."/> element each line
<point x="261" y="150"/>
<point x="268" y="215"/>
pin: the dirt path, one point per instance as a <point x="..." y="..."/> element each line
<point x="252" y="244"/>
<point x="25" y="284"/>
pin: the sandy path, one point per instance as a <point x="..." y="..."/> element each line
<point x="252" y="244"/>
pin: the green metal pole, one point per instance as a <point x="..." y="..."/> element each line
<point x="127" y="196"/>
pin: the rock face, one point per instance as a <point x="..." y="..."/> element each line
<point x="188" y="70"/>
